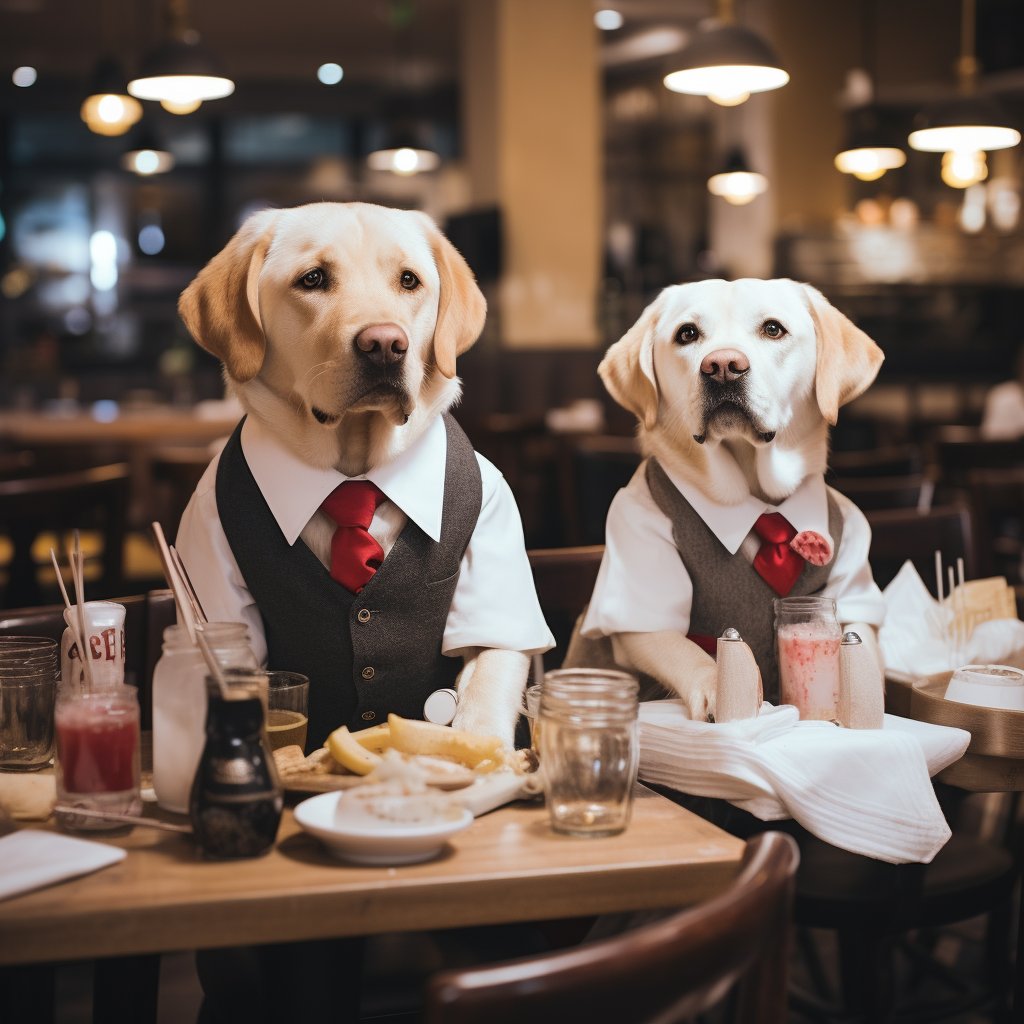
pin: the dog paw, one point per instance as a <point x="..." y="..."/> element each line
<point x="812" y="547"/>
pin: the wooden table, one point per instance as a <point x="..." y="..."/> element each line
<point x="508" y="866"/>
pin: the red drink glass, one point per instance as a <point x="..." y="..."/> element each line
<point x="808" y="636"/>
<point x="98" y="755"/>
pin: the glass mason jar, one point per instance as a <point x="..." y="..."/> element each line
<point x="236" y="798"/>
<point x="97" y="754"/>
<point x="28" y="688"/>
<point x="589" y="749"/>
<point x="808" y="636"/>
<point x="179" y="704"/>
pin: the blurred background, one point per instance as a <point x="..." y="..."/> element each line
<point x="548" y="139"/>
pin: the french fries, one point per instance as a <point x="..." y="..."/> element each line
<point x="350" y="754"/>
<point x="411" y="737"/>
<point x="376" y="739"/>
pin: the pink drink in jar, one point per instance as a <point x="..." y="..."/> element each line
<point x="809" y="637"/>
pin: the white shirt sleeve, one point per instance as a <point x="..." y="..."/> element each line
<point x="642" y="586"/>
<point x="211" y="566"/>
<point x="495" y="602"/>
<point x="850" y="584"/>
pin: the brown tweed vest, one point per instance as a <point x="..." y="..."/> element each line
<point x="727" y="591"/>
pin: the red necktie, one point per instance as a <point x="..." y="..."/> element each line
<point x="355" y="555"/>
<point x="777" y="563"/>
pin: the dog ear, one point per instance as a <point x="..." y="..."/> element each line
<point x="461" y="308"/>
<point x="628" y="369"/>
<point x="848" y="360"/>
<point x="221" y="306"/>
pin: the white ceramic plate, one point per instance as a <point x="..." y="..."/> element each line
<point x="386" y="844"/>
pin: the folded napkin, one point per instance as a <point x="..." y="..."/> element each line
<point x="31" y="858"/>
<point x="864" y="790"/>
<point x="915" y="637"/>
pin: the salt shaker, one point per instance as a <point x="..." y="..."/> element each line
<point x="861" y="697"/>
<point x="738" y="693"/>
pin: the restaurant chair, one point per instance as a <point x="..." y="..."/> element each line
<point x="997" y="500"/>
<point x="564" y="578"/>
<point x="893" y="460"/>
<point x="89" y="498"/>
<point x="594" y="468"/>
<point x="961" y="450"/>
<point x="176" y="473"/>
<point x="875" y="494"/>
<point x="672" y="970"/>
<point x="899" y="534"/>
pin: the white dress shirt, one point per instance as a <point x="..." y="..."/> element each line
<point x="644" y="587"/>
<point x="495" y="603"/>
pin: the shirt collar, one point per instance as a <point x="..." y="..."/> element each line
<point x="294" y="490"/>
<point x="806" y="509"/>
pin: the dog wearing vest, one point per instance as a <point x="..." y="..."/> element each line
<point x="734" y="385"/>
<point x="348" y="520"/>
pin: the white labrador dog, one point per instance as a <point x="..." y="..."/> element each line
<point x="281" y="304"/>
<point x="734" y="385"/>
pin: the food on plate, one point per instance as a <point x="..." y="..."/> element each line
<point x="397" y="793"/>
<point x="377" y="738"/>
<point x="350" y="754"/>
<point x="412" y="737"/>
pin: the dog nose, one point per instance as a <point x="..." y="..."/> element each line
<point x="725" y="365"/>
<point x="382" y="344"/>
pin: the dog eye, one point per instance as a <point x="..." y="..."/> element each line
<point x="313" y="279"/>
<point x="687" y="334"/>
<point x="772" y="329"/>
<point x="409" y="281"/>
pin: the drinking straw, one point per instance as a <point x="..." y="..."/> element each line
<point x="67" y="604"/>
<point x="190" y="591"/>
<point x="938" y="575"/>
<point x="78" y="578"/>
<point x="952" y="609"/>
<point x="185" y="612"/>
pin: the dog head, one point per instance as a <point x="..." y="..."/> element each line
<point x="739" y="359"/>
<point x="335" y="309"/>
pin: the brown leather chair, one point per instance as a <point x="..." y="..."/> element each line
<point x="88" y="498"/>
<point x="667" y="971"/>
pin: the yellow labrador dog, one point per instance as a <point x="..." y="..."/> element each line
<point x="339" y="326"/>
<point x="734" y="385"/>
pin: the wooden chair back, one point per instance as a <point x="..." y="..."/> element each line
<point x="594" y="468"/>
<point x="666" y="972"/>
<point x="894" y="460"/>
<point x="564" y="578"/>
<point x="899" y="534"/>
<point x="875" y="494"/>
<point x="96" y="498"/>
<point x="960" y="451"/>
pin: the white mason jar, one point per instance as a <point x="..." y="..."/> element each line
<point x="179" y="705"/>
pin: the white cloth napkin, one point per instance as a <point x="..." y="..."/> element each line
<point x="914" y="635"/>
<point x="863" y="790"/>
<point x="32" y="858"/>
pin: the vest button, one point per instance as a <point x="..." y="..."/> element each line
<point x="363" y="615"/>
<point x="368" y="716"/>
<point x="368" y="672"/>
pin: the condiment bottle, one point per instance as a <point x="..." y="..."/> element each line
<point x="861" y="687"/>
<point x="236" y="800"/>
<point x="179" y="704"/>
<point x="738" y="692"/>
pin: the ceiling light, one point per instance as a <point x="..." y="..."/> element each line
<point x="867" y="152"/>
<point x="146" y="157"/>
<point x="24" y="76"/>
<point x="181" y="107"/>
<point x="330" y="74"/>
<point x="963" y="168"/>
<point x="726" y="63"/>
<point x="108" y="109"/>
<point x="608" y="20"/>
<point x="403" y="160"/>
<point x="735" y="182"/>
<point x="968" y="122"/>
<point x="181" y="70"/>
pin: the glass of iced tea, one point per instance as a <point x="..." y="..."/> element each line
<point x="287" y="709"/>
<point x="808" y="636"/>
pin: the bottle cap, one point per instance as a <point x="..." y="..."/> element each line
<point x="731" y="633"/>
<point x="851" y="638"/>
<point x="440" y="707"/>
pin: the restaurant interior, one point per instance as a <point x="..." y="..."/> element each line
<point x="571" y="153"/>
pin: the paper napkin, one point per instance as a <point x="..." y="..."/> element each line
<point x="32" y="858"/>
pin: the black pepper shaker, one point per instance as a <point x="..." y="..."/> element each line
<point x="236" y="798"/>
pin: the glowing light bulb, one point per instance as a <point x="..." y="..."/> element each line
<point x="189" y="106"/>
<point x="963" y="168"/>
<point x="729" y="99"/>
<point x="405" y="161"/>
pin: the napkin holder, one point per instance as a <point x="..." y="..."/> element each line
<point x="861" y="686"/>
<point x="738" y="692"/>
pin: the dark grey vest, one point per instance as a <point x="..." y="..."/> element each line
<point x="366" y="654"/>
<point x="727" y="591"/>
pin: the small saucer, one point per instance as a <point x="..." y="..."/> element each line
<point x="386" y="843"/>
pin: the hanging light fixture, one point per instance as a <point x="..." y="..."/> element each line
<point x="968" y="122"/>
<point x="736" y="183"/>
<point x="108" y="109"/>
<point x="146" y="157"/>
<point x="403" y="154"/>
<point x="181" y="73"/>
<point x="867" y="153"/>
<point x="727" y="62"/>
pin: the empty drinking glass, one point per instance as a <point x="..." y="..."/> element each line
<point x="28" y="687"/>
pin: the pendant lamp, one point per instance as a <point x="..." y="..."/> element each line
<point x="968" y="122"/>
<point x="145" y="156"/>
<point x="108" y="109"/>
<point x="181" y="73"/>
<point x="736" y="183"/>
<point x="867" y="151"/>
<point x="404" y="154"/>
<point x="726" y="62"/>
